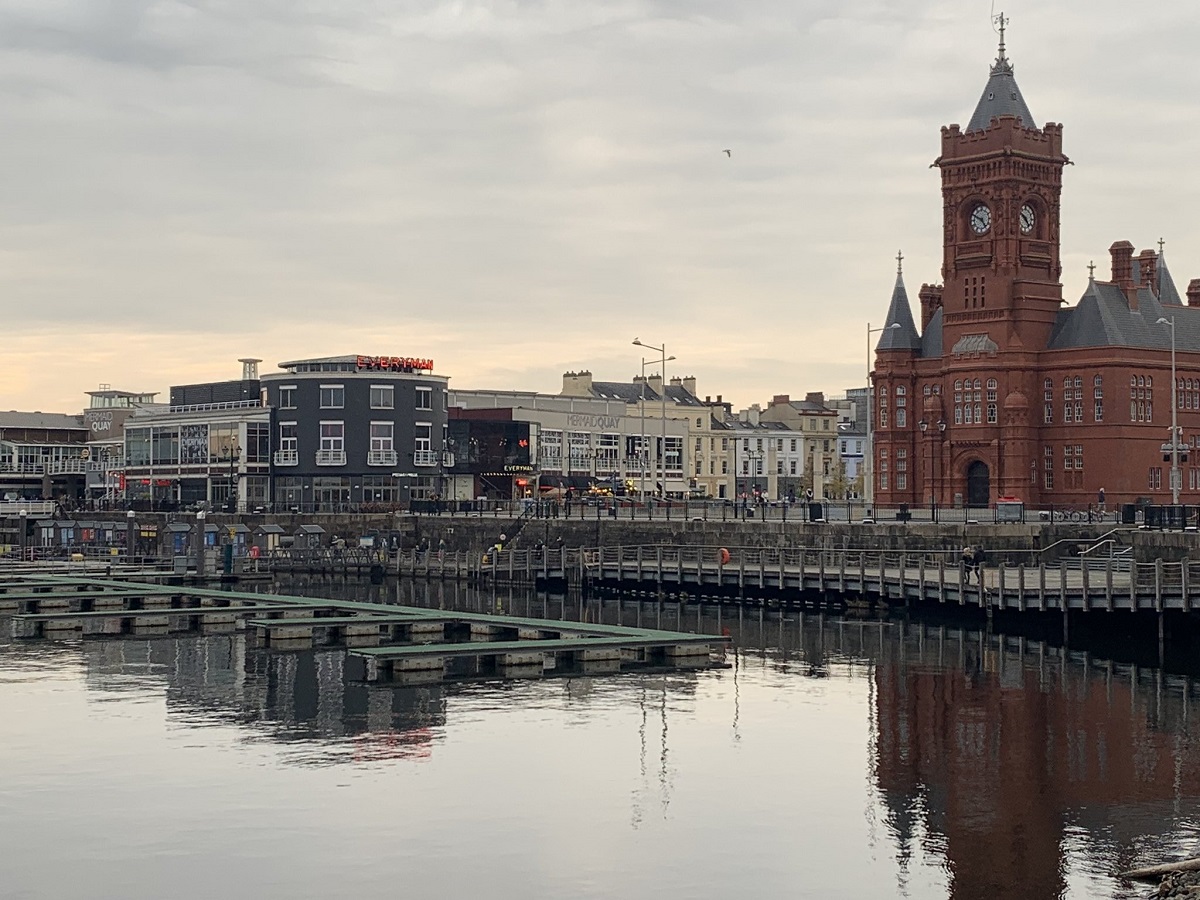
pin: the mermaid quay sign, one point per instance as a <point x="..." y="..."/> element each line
<point x="393" y="364"/>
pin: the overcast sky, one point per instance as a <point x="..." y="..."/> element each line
<point x="520" y="187"/>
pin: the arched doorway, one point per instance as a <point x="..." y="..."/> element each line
<point x="979" y="484"/>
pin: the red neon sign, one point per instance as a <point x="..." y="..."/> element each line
<point x="394" y="363"/>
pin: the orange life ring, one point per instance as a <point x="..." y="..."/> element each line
<point x="723" y="556"/>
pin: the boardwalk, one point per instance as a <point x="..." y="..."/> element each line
<point x="1016" y="583"/>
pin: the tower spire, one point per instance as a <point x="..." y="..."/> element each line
<point x="1001" y="64"/>
<point x="899" y="262"/>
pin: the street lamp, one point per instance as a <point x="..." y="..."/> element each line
<point x="663" y="396"/>
<point x="235" y="453"/>
<point x="23" y="515"/>
<point x="130" y="535"/>
<point x="869" y="468"/>
<point x="1173" y="445"/>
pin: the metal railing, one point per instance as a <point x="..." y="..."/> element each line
<point x="331" y="457"/>
<point x="425" y="458"/>
<point x="287" y="457"/>
<point x="381" y="457"/>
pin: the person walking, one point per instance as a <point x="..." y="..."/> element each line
<point x="1100" y="500"/>
<point x="968" y="562"/>
<point x="977" y="559"/>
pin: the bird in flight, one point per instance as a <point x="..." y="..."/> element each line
<point x="728" y="153"/>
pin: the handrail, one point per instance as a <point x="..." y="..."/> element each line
<point x="1077" y="540"/>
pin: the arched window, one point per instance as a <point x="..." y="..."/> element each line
<point x="1078" y="381"/>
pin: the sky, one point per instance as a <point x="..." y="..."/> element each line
<point x="517" y="188"/>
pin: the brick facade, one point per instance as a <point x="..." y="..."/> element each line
<point x="1006" y="392"/>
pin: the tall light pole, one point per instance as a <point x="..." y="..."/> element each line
<point x="662" y="454"/>
<point x="869" y="459"/>
<point x="1173" y="443"/>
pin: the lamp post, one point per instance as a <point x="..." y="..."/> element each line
<point x="130" y="535"/>
<point x="869" y="468"/>
<point x="200" y="544"/>
<point x="662" y="453"/>
<point x="1172" y="445"/>
<point x="23" y="515"/>
<point x="235" y="453"/>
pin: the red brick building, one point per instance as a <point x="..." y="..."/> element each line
<point x="1005" y="391"/>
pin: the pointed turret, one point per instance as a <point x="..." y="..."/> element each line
<point x="905" y="336"/>
<point x="1167" y="292"/>
<point x="1001" y="96"/>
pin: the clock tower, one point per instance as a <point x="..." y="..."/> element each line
<point x="1001" y="181"/>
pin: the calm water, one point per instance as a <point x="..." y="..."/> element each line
<point x="835" y="758"/>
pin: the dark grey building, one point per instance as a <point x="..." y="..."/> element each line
<point x="357" y="430"/>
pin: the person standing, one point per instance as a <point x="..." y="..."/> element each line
<point x="968" y="562"/>
<point x="977" y="560"/>
<point x="1100" y="500"/>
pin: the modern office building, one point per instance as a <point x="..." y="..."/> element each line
<point x="107" y="411"/>
<point x="211" y="445"/>
<point x="42" y="455"/>
<point x="571" y="442"/>
<point x="357" y="430"/>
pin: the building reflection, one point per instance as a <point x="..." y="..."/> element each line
<point x="999" y="747"/>
<point x="294" y="697"/>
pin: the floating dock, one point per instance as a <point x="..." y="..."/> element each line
<point x="409" y="644"/>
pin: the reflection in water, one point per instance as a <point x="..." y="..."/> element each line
<point x="991" y="766"/>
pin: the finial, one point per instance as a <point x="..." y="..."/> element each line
<point x="899" y="263"/>
<point x="1092" y="271"/>
<point x="1160" y="246"/>
<point x="1002" y="65"/>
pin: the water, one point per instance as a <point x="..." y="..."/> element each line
<point x="834" y="758"/>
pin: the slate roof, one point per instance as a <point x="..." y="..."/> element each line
<point x="623" y="391"/>
<point x="899" y="313"/>
<point x="15" y="419"/>
<point x="931" y="340"/>
<point x="1102" y="318"/>
<point x="1001" y="97"/>
<point x="1167" y="292"/>
<point x="632" y="392"/>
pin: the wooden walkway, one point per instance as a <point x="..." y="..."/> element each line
<point x="893" y="578"/>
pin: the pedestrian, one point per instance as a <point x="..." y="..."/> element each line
<point x="968" y="562"/>
<point x="977" y="560"/>
<point x="441" y="549"/>
<point x="1100" y="500"/>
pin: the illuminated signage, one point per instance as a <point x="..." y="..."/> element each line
<point x="394" y="363"/>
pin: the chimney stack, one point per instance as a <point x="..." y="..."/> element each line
<point x="1122" y="270"/>
<point x="1193" y="292"/>
<point x="1122" y="263"/>
<point x="577" y="384"/>
<point x="931" y="301"/>
<point x="1148" y="270"/>
<point x="689" y="384"/>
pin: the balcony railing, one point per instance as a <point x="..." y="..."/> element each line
<point x="381" y="457"/>
<point x="287" y="457"/>
<point x="425" y="458"/>
<point x="66" y="466"/>
<point x="331" y="457"/>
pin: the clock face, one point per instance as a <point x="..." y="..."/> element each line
<point x="1027" y="219"/>
<point x="981" y="219"/>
